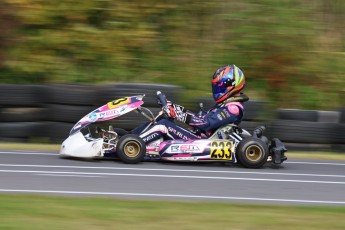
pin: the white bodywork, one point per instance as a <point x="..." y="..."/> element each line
<point x="77" y="146"/>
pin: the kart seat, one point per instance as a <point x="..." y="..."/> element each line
<point x="121" y="132"/>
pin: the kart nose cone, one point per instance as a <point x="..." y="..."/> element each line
<point x="77" y="146"/>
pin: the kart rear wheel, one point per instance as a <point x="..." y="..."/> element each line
<point x="131" y="149"/>
<point x="252" y="152"/>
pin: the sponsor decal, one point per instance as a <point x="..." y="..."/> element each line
<point x="114" y="112"/>
<point x="226" y="113"/>
<point x="150" y="137"/>
<point x="177" y="133"/>
<point x="219" y="117"/>
<point x="184" y="148"/>
<point x="223" y="115"/>
<point x="93" y="117"/>
<point x="221" y="150"/>
<point x="101" y="115"/>
<point x="181" y="158"/>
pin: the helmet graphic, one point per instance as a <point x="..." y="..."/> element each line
<point x="226" y="82"/>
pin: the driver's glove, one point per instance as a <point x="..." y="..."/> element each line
<point x="169" y="110"/>
<point x="175" y="111"/>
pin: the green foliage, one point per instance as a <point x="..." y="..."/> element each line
<point x="288" y="49"/>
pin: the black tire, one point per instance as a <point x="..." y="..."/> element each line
<point x="20" y="95"/>
<point x="56" y="132"/>
<point x="342" y="115"/>
<point x="328" y="116"/>
<point x="19" y="129"/>
<point x="252" y="152"/>
<point x="306" y="132"/>
<point x="131" y="149"/>
<point x="297" y="115"/>
<point x="208" y="102"/>
<point x="22" y="114"/>
<point x="67" y="113"/>
<point x="254" y="111"/>
<point x="70" y="94"/>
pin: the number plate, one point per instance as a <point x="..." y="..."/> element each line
<point x="221" y="150"/>
<point x="118" y="102"/>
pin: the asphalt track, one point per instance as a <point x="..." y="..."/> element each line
<point x="302" y="182"/>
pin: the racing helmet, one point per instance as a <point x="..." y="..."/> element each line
<point x="227" y="81"/>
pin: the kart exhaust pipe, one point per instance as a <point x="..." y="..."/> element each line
<point x="259" y="131"/>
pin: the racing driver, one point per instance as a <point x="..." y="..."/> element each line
<point x="227" y="83"/>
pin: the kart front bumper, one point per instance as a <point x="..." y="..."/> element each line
<point x="277" y="151"/>
<point x="77" y="146"/>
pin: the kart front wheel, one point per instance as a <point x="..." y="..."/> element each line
<point x="252" y="152"/>
<point x="131" y="149"/>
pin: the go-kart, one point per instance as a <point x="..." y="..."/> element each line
<point x="228" y="143"/>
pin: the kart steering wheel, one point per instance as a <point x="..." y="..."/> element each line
<point x="162" y="98"/>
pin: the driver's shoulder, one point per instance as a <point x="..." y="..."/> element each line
<point x="231" y="105"/>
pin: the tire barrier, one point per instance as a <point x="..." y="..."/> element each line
<point x="20" y="130"/>
<point x="31" y="112"/>
<point x="56" y="131"/>
<point x="307" y="129"/>
<point x="342" y="115"/>
<point x="21" y="112"/>
<point x="20" y="95"/>
<point x="51" y="110"/>
<point x="306" y="132"/>
<point x="70" y="94"/>
<point x="297" y="115"/>
<point x="67" y="113"/>
<point x="254" y="110"/>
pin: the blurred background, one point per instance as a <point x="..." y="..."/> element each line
<point x="61" y="59"/>
<point x="291" y="51"/>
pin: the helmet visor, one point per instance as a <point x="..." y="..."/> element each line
<point x="218" y="90"/>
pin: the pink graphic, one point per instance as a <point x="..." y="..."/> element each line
<point x="233" y="107"/>
<point x="162" y="145"/>
<point x="110" y="111"/>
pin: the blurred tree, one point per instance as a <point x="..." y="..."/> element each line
<point x="292" y="51"/>
<point x="8" y="24"/>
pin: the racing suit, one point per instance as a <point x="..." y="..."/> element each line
<point x="229" y="112"/>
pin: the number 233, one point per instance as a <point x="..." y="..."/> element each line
<point x="221" y="150"/>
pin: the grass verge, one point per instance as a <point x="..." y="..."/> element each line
<point x="55" y="212"/>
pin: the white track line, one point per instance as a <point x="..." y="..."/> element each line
<point x="29" y="153"/>
<point x="173" y="170"/>
<point x="46" y="174"/>
<point x="173" y="176"/>
<point x="315" y="163"/>
<point x="173" y="196"/>
<point x="287" y="162"/>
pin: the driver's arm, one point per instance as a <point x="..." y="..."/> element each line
<point x="215" y="118"/>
